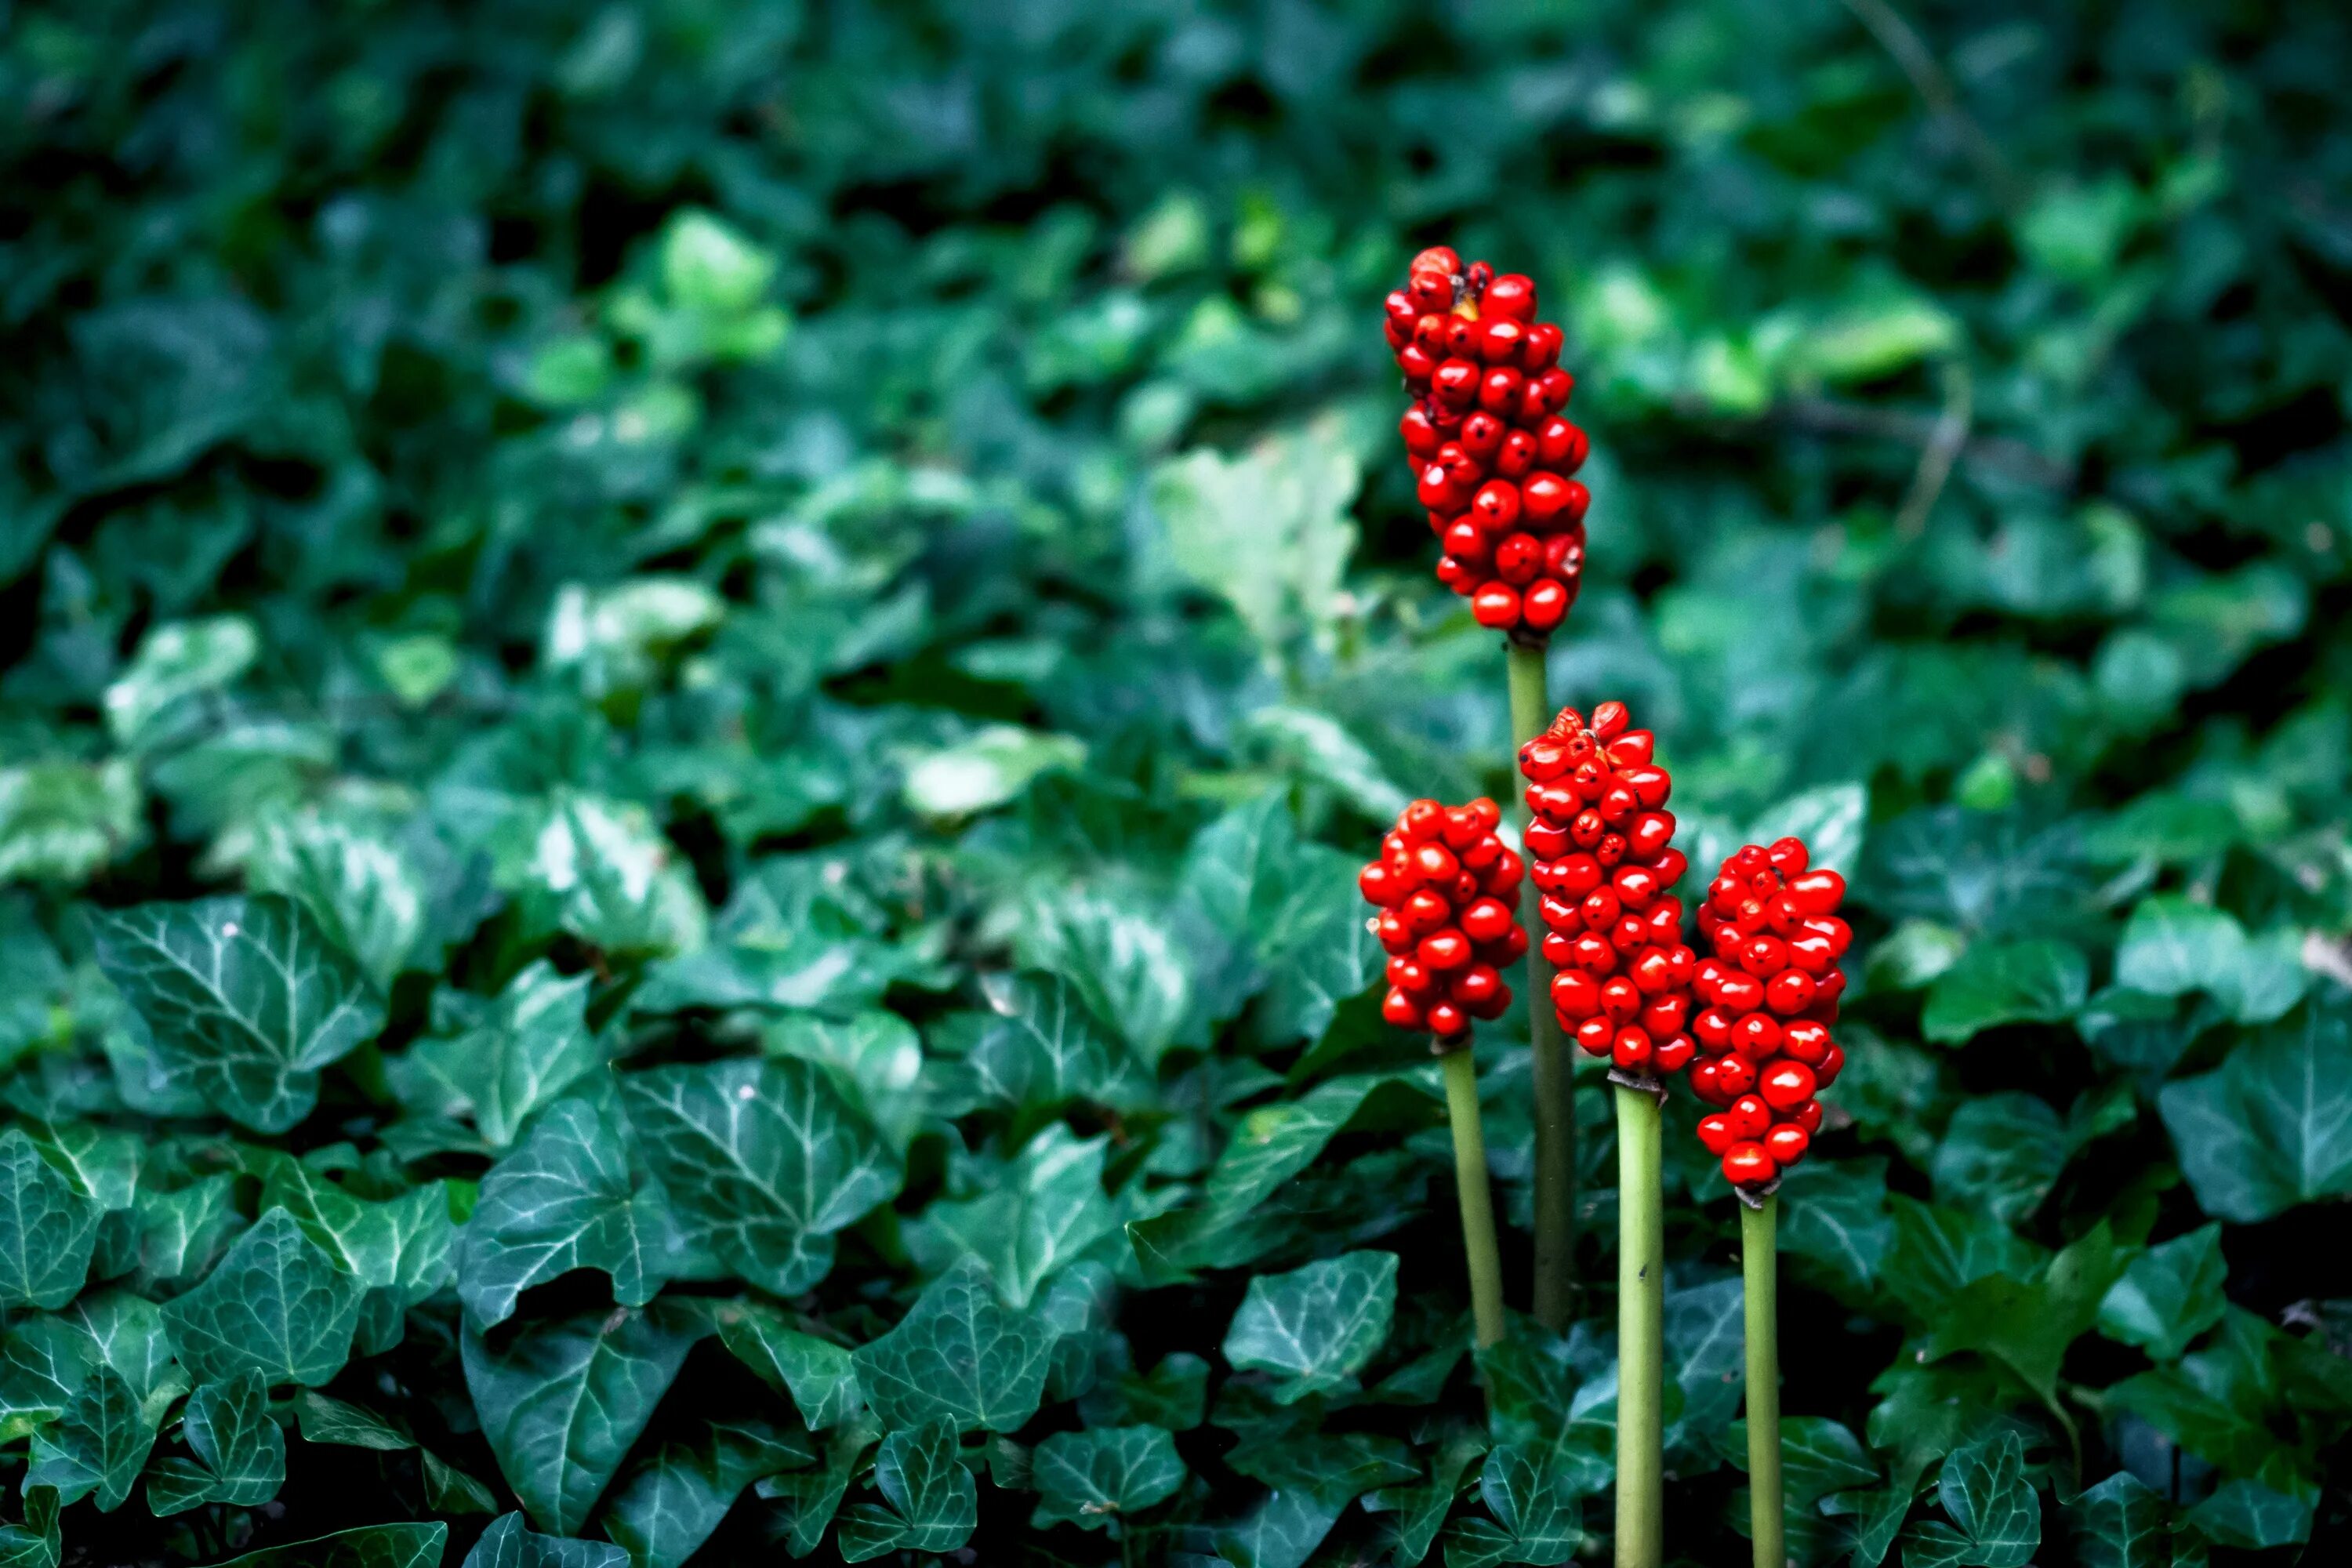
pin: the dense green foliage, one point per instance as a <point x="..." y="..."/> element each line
<point x="690" y="689"/>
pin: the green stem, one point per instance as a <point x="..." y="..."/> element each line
<point x="1760" y="1267"/>
<point x="1641" y="1333"/>
<point x="1555" y="1089"/>
<point x="1478" y="1202"/>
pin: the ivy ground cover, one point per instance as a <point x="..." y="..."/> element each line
<point x="690" y="695"/>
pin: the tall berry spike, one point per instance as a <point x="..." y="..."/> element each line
<point x="1601" y="843"/>
<point x="1445" y="885"/>
<point x="1770" y="989"/>
<point x="1493" y="455"/>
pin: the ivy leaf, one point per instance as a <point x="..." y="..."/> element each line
<point x="2272" y="1127"/>
<point x="227" y="1426"/>
<point x="808" y="1499"/>
<point x="761" y="1160"/>
<point x="1282" y="1531"/>
<point x="959" y="1355"/>
<point x="348" y="1425"/>
<point x="246" y="999"/>
<point x="2026" y="1323"/>
<point x="1315" y="1327"/>
<point x="508" y="1544"/>
<point x="670" y="1504"/>
<point x="34" y="1542"/>
<point x="367" y="896"/>
<point x="1047" y="1209"/>
<point x="1985" y="1491"/>
<point x="1706" y="1350"/>
<point x="1174" y="1394"/>
<point x="47" y="1230"/>
<point x="2035" y="982"/>
<point x="1421" y="1511"/>
<point x="96" y="1446"/>
<point x="2249" y="1517"/>
<point x="933" y="1503"/>
<point x="1268" y="1147"/>
<point x="562" y="1400"/>
<point x="818" y="1374"/>
<point x="370" y="1546"/>
<point x="1835" y="1220"/>
<point x="565" y="1199"/>
<point x="277" y="1305"/>
<point x="531" y="1047"/>
<point x="2120" y="1524"/>
<point x="1938" y="1250"/>
<point x="181" y="1233"/>
<point x="2170" y="1294"/>
<point x="2000" y="1155"/>
<point x="449" y="1489"/>
<point x="1125" y="961"/>
<point x="2174" y="945"/>
<point x="177" y="660"/>
<point x="1096" y="1477"/>
<point x="1535" y="1491"/>
<point x="877" y="1053"/>
<point x="1045" y="1049"/>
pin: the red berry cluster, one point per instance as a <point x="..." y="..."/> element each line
<point x="1484" y="430"/>
<point x="1770" y="991"/>
<point x="1601" y="844"/>
<point x="1445" y="885"/>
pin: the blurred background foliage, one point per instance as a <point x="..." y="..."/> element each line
<point x="792" y="511"/>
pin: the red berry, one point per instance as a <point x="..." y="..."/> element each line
<point x="1443" y="950"/>
<point x="1447" y="1018"/>
<point x="1540" y="350"/>
<point x="1786" y="1085"/>
<point x="1735" y="1075"/>
<point x="1790" y="992"/>
<point x="1714" y="1134"/>
<point x="1402" y="1010"/>
<point x="1545" y="605"/>
<point x="1495" y="606"/>
<point x="1751" y="1116"/>
<point x="1487" y="920"/>
<point x="1512" y="296"/>
<point x="1748" y="1165"/>
<point x="1496" y="505"/>
<point x="1786" y="1143"/>
<point x="1483" y="436"/>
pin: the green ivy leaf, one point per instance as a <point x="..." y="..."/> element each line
<point x="2000" y="1155"/>
<point x="565" y="1199"/>
<point x="1045" y="1048"/>
<point x="1268" y="1147"/>
<point x="529" y="1049"/>
<point x="2174" y="945"/>
<point x="959" y="1355"/>
<point x="1985" y="1491"/>
<point x="277" y="1305"/>
<point x="561" y="1400"/>
<point x="2169" y="1295"/>
<point x="449" y="1489"/>
<point x="1099" y="1476"/>
<point x="2035" y="982"/>
<point x="818" y="1374"/>
<point x="182" y="1232"/>
<point x="47" y="1230"/>
<point x="808" y="1499"/>
<point x="670" y="1504"/>
<point x="370" y="1546"/>
<point x="1315" y="1327"/>
<point x="1835" y="1219"/>
<point x="2027" y="1323"/>
<point x="1174" y="1394"/>
<point x="876" y="1054"/>
<point x="35" y="1543"/>
<point x="2119" y="1523"/>
<point x="229" y="1428"/>
<point x="368" y="898"/>
<point x="177" y="660"/>
<point x="244" y="999"/>
<point x="348" y="1425"/>
<point x="508" y="1544"/>
<point x="1535" y="1491"/>
<point x="763" y="1162"/>
<point x="96" y="1446"/>
<point x="1282" y="1531"/>
<point x="2272" y="1127"/>
<point x="933" y="1503"/>
<point x="1046" y="1210"/>
<point x="2251" y="1517"/>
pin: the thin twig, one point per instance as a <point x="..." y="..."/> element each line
<point x="1942" y="450"/>
<point x="1934" y="86"/>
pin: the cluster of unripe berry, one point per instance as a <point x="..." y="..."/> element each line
<point x="1601" y="844"/>
<point x="1768" y="993"/>
<point x="1446" y="885"/>
<point x="1492" y="454"/>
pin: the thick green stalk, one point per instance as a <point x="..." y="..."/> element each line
<point x="1641" y="1333"/>
<point x="1478" y="1202"/>
<point x="1758" y="1266"/>
<point x="1555" y="1089"/>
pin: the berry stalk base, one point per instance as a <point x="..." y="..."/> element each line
<point x="1641" y="1333"/>
<point x="1478" y="1200"/>
<point x="1555" y="1085"/>
<point x="1759" y="1270"/>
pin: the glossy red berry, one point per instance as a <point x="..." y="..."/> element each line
<point x="1443" y="885"/>
<point x="1749" y="1165"/>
